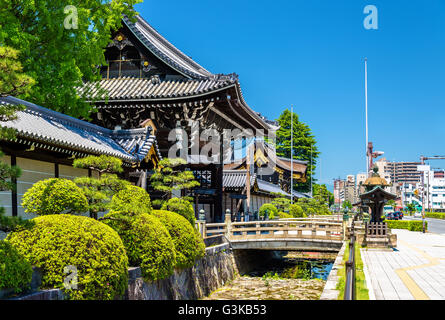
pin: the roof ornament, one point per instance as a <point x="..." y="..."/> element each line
<point x="120" y="42"/>
<point x="226" y="77"/>
<point x="155" y="79"/>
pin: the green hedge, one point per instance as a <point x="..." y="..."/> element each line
<point x="15" y="270"/>
<point x="407" y="224"/>
<point x="95" y="249"/>
<point x="182" y="207"/>
<point x="132" y="199"/>
<point x="147" y="242"/>
<point x="435" y="215"/>
<point x="54" y="196"/>
<point x="188" y="243"/>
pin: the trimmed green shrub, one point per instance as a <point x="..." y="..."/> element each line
<point x="411" y="225"/>
<point x="15" y="270"/>
<point x="132" y="200"/>
<point x="189" y="245"/>
<point x="284" y="215"/>
<point x="55" y="196"/>
<point x="296" y="211"/>
<point x="182" y="207"/>
<point x="268" y="208"/>
<point x="93" y="248"/>
<point x="435" y="215"/>
<point x="147" y="242"/>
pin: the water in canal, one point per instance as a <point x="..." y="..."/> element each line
<point x="289" y="278"/>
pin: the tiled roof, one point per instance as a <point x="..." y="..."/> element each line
<point x="67" y="133"/>
<point x="270" y="188"/>
<point x="236" y="179"/>
<point x="127" y="88"/>
<point x="164" y="50"/>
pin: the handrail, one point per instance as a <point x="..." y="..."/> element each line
<point x="350" y="290"/>
<point x="267" y="229"/>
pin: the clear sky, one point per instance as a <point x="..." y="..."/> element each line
<point x="311" y="54"/>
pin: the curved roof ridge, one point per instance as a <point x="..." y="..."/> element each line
<point x="165" y="50"/>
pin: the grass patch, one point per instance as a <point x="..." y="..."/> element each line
<point x="360" y="283"/>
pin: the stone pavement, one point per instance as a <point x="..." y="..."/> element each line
<point x="414" y="271"/>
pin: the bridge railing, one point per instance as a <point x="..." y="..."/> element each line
<point x="274" y="229"/>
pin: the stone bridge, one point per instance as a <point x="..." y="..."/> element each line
<point x="308" y="234"/>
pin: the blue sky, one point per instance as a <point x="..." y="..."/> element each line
<point x="311" y="54"/>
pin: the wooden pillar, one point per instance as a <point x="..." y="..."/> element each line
<point x="56" y="170"/>
<point x="14" y="190"/>
<point x="219" y="182"/>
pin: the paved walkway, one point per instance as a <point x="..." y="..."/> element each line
<point x="414" y="271"/>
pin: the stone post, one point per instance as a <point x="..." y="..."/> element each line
<point x="228" y="222"/>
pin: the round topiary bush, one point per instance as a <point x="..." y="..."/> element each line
<point x="15" y="270"/>
<point x="132" y="200"/>
<point x="55" y="196"/>
<point x="147" y="242"/>
<point x="188" y="243"/>
<point x="62" y="244"/>
<point x="182" y="207"/>
<point x="296" y="211"/>
<point x="270" y="209"/>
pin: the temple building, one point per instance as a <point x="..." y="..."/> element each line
<point x="154" y="101"/>
<point x="150" y="81"/>
<point x="47" y="142"/>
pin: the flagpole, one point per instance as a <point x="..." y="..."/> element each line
<point x="366" y="104"/>
<point x="291" y="154"/>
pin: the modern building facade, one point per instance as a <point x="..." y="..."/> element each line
<point x="403" y="172"/>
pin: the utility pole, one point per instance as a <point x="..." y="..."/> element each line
<point x="311" y="175"/>
<point x="366" y="111"/>
<point x="291" y="154"/>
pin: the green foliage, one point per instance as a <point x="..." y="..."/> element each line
<point x="281" y="203"/>
<point x="13" y="82"/>
<point x="411" y="225"/>
<point x="182" y="207"/>
<point x="435" y="215"/>
<point x="284" y="215"/>
<point x="100" y="190"/>
<point x="313" y="206"/>
<point x="170" y="175"/>
<point x="189" y="245"/>
<point x="8" y="224"/>
<point x="296" y="211"/>
<point x="321" y="192"/>
<point x="411" y="207"/>
<point x="133" y="200"/>
<point x="54" y="196"/>
<point x="147" y="242"/>
<point x="303" y="141"/>
<point x="268" y="208"/>
<point x="95" y="249"/>
<point x="59" y="55"/>
<point x="346" y="205"/>
<point x="7" y="173"/>
<point x="15" y="270"/>
<point x="100" y="164"/>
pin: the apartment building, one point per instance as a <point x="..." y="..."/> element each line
<point x="403" y="172"/>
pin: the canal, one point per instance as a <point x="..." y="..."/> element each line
<point x="291" y="277"/>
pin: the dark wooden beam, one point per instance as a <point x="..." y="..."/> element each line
<point x="14" y="190"/>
